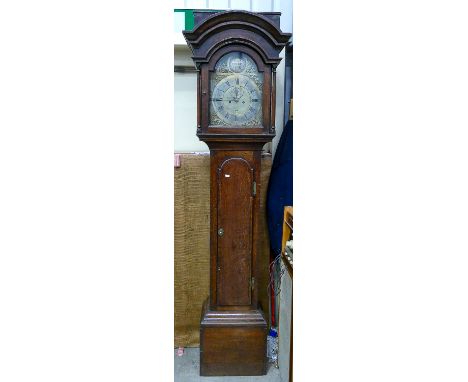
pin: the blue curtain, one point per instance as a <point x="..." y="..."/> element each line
<point x="280" y="187"/>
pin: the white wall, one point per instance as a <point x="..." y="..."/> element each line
<point x="185" y="105"/>
<point x="279" y="119"/>
<point x="284" y="331"/>
<point x="185" y="114"/>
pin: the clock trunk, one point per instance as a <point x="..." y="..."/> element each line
<point x="234" y="250"/>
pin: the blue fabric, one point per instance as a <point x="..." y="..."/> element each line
<point x="280" y="187"/>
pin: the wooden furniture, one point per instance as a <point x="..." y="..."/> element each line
<point x="288" y="263"/>
<point x="236" y="54"/>
<point x="287" y="235"/>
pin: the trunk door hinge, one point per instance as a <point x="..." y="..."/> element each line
<point x="252" y="283"/>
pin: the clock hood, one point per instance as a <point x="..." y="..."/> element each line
<point x="214" y="30"/>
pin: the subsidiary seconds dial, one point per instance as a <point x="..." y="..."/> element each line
<point x="236" y="100"/>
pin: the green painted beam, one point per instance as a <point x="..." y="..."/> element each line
<point x="189" y="19"/>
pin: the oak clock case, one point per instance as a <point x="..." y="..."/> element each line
<point x="236" y="54"/>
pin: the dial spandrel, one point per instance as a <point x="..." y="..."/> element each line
<point x="236" y="92"/>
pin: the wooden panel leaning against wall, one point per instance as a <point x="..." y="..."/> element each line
<point x="191" y="243"/>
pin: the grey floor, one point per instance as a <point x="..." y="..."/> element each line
<point x="187" y="369"/>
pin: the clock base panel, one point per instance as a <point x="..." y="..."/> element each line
<point x="232" y="343"/>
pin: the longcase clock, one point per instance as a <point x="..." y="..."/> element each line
<point x="236" y="54"/>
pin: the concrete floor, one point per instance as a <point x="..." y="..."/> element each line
<point x="187" y="369"/>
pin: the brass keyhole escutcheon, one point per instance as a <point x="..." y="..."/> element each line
<point x="220" y="232"/>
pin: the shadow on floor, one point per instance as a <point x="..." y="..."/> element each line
<point x="187" y="369"/>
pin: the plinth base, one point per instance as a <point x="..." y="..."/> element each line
<point x="232" y="342"/>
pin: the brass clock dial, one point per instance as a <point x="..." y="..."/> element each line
<point x="236" y="92"/>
